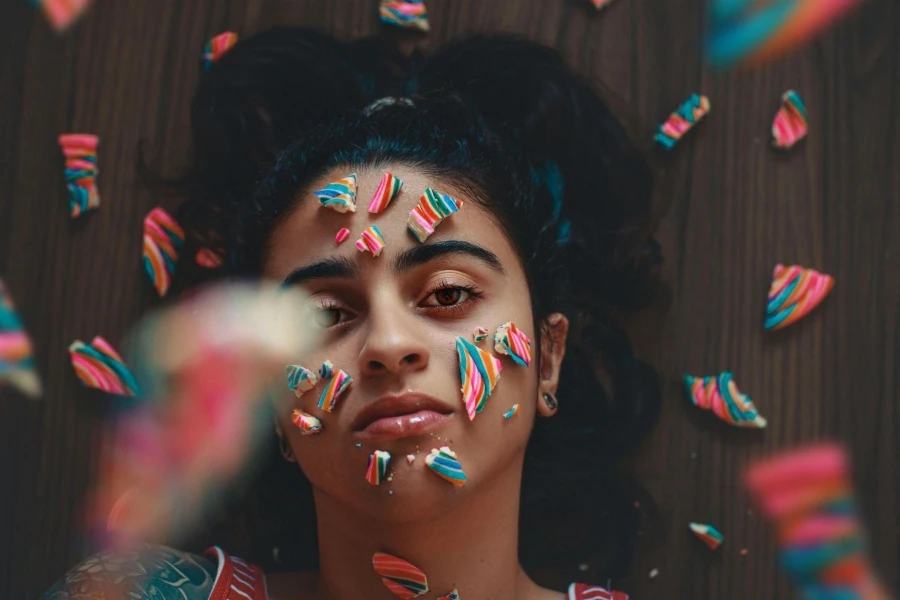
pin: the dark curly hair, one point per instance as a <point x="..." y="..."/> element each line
<point x="536" y="146"/>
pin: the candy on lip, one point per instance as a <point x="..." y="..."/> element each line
<point x="445" y="465"/>
<point x="339" y="196"/>
<point x="378" y="466"/>
<point x="401" y="577"/>
<point x="308" y="424"/>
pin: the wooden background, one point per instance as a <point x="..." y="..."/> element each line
<point x="735" y="208"/>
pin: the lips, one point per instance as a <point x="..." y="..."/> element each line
<point x="402" y="415"/>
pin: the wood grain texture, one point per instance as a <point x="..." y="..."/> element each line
<point x="734" y="209"/>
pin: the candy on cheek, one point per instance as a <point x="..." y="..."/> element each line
<point x="300" y="379"/>
<point x="480" y="334"/>
<point x="308" y="424"/>
<point x="479" y="373"/>
<point x="512" y="341"/>
<point x="511" y="412"/>
<point x="378" y="466"/>
<point x="339" y="382"/>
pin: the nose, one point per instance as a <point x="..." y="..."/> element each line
<point x="394" y="344"/>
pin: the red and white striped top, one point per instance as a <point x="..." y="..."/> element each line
<point x="236" y="579"/>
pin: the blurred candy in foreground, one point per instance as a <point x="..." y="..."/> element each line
<point x="753" y="31"/>
<point x="807" y="496"/>
<point x="208" y="367"/>
<point x="62" y="13"/>
<point x="16" y="353"/>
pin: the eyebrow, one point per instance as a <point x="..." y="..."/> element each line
<point x="342" y="267"/>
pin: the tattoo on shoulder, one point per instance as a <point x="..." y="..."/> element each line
<point x="146" y="573"/>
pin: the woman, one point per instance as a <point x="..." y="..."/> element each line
<point x="552" y="234"/>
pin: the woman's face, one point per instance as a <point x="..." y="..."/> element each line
<point x="391" y="322"/>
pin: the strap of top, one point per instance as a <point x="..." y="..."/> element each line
<point x="236" y="579"/>
<point x="582" y="591"/>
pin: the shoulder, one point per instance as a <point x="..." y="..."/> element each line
<point x="151" y="572"/>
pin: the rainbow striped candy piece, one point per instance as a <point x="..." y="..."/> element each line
<point x="300" y="379"/>
<point x="708" y="534"/>
<point x="404" y="579"/>
<point x="511" y="412"/>
<point x="339" y="196"/>
<point x="790" y="125"/>
<point x="682" y="120"/>
<point x="61" y="14"/>
<point x="342" y="235"/>
<point x="208" y="258"/>
<point x="218" y="46"/>
<point x="378" y="466"/>
<point x="583" y="591"/>
<point x="163" y="240"/>
<point x="443" y="462"/>
<point x="598" y="4"/>
<point x="480" y="334"/>
<point x="433" y="207"/>
<point x="808" y="496"/>
<point x="479" y="373"/>
<point x="794" y="293"/>
<point x="454" y="595"/>
<point x="326" y="371"/>
<point x="99" y="366"/>
<point x="750" y="31"/>
<point x="371" y="240"/>
<point x="512" y="341"/>
<point x="80" y="151"/>
<point x="720" y="395"/>
<point x="17" y="365"/>
<point x="387" y="189"/>
<point x="308" y="424"/>
<point x="410" y="14"/>
<point x="339" y="382"/>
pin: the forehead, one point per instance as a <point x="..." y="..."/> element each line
<point x="307" y="233"/>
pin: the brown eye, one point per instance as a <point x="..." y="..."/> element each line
<point x="448" y="296"/>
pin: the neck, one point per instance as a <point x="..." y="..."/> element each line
<point x="473" y="547"/>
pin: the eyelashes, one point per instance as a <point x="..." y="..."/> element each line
<point x="446" y="299"/>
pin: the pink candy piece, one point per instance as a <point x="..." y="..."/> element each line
<point x="342" y="235"/>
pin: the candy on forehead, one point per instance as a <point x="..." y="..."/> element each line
<point x="387" y="189"/>
<point x="432" y="209"/>
<point x="371" y="240"/>
<point x="342" y="235"/>
<point x="339" y="196"/>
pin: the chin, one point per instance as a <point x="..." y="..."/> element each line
<point x="412" y="497"/>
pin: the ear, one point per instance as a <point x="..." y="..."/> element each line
<point x="554" y="332"/>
